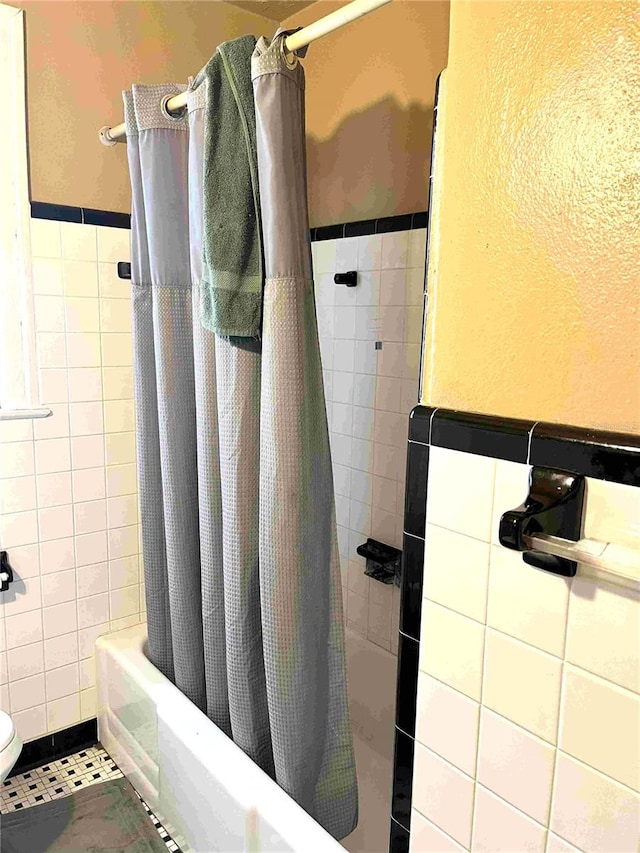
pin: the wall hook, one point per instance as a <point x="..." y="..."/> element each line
<point x="553" y="507"/>
<point x="6" y="572"/>
<point x="348" y="278"/>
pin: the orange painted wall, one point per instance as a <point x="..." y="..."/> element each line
<point x="80" y="55"/>
<point x="534" y="281"/>
<point x="370" y="90"/>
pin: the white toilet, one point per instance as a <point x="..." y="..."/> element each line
<point x="10" y="745"/>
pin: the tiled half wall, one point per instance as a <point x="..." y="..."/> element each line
<point x="518" y="715"/>
<point x="370" y="337"/>
<point x="68" y="493"/>
<point x="68" y="485"/>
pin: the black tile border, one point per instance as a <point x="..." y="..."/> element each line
<point x="105" y="217"/>
<point x="402" y="779"/>
<point x="398" y="838"/>
<point x="502" y="438"/>
<point x="411" y="586"/>
<point x="80" y="215"/>
<point x="420" y="424"/>
<point x="407" y="685"/>
<point x="610" y="456"/>
<point x="57" y="212"/>
<point x="115" y="219"/>
<point x="57" y="745"/>
<point x="361" y="228"/>
<point x="614" y="457"/>
<point x="364" y="227"/>
<point x="387" y="224"/>
<point x="415" y="499"/>
<point x="327" y="232"/>
<point x="601" y="455"/>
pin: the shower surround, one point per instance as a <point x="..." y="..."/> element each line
<point x="370" y="340"/>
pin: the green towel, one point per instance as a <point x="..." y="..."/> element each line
<point x="232" y="276"/>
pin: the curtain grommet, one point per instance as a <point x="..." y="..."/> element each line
<point x="290" y="59"/>
<point x="165" y="110"/>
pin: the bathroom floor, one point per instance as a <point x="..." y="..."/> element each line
<point x="61" y="778"/>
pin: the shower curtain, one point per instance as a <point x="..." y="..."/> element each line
<point x="239" y="543"/>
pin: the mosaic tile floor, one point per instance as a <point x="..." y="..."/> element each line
<point x="61" y="778"/>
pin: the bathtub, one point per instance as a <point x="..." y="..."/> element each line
<point x="209" y="795"/>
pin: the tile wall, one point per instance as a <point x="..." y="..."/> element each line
<point x="528" y="711"/>
<point x="68" y="487"/>
<point x="370" y="339"/>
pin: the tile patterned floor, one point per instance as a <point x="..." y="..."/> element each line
<point x="61" y="778"/>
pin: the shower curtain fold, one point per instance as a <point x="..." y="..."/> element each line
<point x="241" y="565"/>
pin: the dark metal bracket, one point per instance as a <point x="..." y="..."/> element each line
<point x="383" y="561"/>
<point x="6" y="572"/>
<point x="553" y="507"/>
<point x="124" y="269"/>
<point x="348" y="278"/>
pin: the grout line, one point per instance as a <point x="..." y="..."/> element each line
<point x="413" y="737"/>
<point x="397" y="822"/>
<point x="439" y="828"/>
<point x="413" y="536"/>
<point x="529" y="441"/>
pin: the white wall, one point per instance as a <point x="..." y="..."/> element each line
<point x="528" y="717"/>
<point x="68" y="488"/>
<point x="369" y="396"/>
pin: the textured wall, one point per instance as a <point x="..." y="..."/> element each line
<point x="80" y="55"/>
<point x="534" y="279"/>
<point x="369" y="109"/>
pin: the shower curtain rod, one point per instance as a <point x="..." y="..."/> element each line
<point x="351" y="12"/>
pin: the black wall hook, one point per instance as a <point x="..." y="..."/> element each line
<point x="552" y="507"/>
<point x="6" y="572"/>
<point x="348" y="278"/>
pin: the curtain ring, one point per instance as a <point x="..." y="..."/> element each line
<point x="290" y="63"/>
<point x="165" y="111"/>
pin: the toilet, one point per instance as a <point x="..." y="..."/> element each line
<point x="10" y="745"/>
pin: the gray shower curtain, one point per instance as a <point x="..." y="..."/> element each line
<point x="241" y="564"/>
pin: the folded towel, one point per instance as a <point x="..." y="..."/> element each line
<point x="232" y="276"/>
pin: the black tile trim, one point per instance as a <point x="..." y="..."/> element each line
<point x="55" y="746"/>
<point x="387" y="224"/>
<point x="610" y="456"/>
<point x="602" y="455"/>
<point x="420" y="219"/>
<point x="502" y="438"/>
<point x="398" y="838"/>
<point x="328" y="232"/>
<point x="361" y="227"/>
<point x="106" y="217"/>
<point x="81" y="215"/>
<point x="411" y="587"/>
<point x="402" y="779"/>
<point x="415" y="499"/>
<point x="420" y="424"/>
<point x="114" y="219"/>
<point x="57" y="212"/>
<point x="407" y="686"/>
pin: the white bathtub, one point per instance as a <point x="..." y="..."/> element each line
<point x="210" y="796"/>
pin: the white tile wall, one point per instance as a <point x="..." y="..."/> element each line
<point x="528" y="718"/>
<point x="369" y="396"/>
<point x="68" y="490"/>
